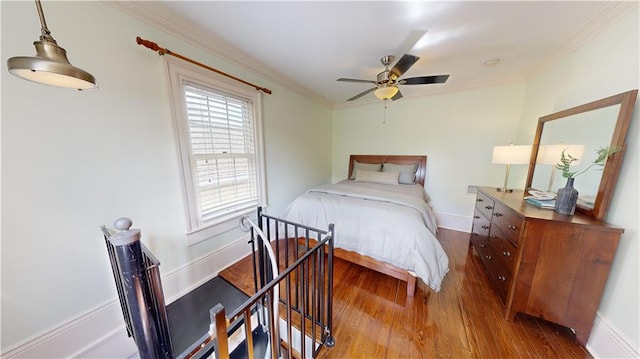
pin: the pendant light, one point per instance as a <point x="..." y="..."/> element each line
<point x="50" y="66"/>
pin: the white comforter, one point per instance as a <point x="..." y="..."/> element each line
<point x="393" y="224"/>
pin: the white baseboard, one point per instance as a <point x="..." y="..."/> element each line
<point x="607" y="342"/>
<point x="454" y="221"/>
<point x="100" y="333"/>
<point x="65" y="341"/>
<point x="117" y="344"/>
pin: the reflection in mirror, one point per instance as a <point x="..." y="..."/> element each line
<point x="581" y="136"/>
<point x="582" y="131"/>
<point x="550" y="155"/>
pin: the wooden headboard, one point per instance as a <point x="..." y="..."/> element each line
<point x="399" y="160"/>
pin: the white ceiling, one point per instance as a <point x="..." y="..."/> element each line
<point x="308" y="45"/>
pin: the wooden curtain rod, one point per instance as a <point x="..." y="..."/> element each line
<point x="153" y="46"/>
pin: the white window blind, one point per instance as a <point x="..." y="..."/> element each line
<point x="218" y="129"/>
<point x="223" y="151"/>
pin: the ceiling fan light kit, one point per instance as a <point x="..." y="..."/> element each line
<point x="385" y="93"/>
<point x="387" y="81"/>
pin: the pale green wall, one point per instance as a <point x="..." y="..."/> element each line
<point x="604" y="66"/>
<point x="456" y="131"/>
<point x="72" y="161"/>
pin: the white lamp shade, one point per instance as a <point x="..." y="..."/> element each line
<point x="511" y="155"/>
<point x="385" y="93"/>
<point x="550" y="154"/>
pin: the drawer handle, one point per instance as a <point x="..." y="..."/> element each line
<point x="488" y="207"/>
<point x="476" y="217"/>
<point x="493" y="236"/>
<point x="484" y="226"/>
<point x="502" y="278"/>
<point x="498" y="214"/>
<point x="506" y="253"/>
<point x="483" y="246"/>
<point x="512" y="227"/>
<point x="488" y="257"/>
<point x="479" y="200"/>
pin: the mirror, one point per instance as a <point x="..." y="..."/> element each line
<point x="581" y="131"/>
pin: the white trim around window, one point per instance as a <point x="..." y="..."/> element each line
<point x="218" y="127"/>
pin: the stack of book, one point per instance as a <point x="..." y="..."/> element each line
<point x="546" y="203"/>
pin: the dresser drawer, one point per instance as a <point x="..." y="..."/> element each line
<point x="503" y="248"/>
<point x="481" y="225"/>
<point x="484" y="204"/>
<point x="480" y="230"/>
<point x="479" y="241"/>
<point x="481" y="244"/>
<point x="508" y="221"/>
<point x="486" y="252"/>
<point x="499" y="277"/>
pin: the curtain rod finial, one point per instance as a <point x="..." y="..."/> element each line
<point x="148" y="44"/>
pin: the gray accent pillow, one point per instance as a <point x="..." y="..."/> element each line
<point x="375" y="167"/>
<point x="407" y="172"/>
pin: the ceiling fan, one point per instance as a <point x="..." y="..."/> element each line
<point x="386" y="84"/>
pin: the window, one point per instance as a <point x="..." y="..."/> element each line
<point x="218" y="129"/>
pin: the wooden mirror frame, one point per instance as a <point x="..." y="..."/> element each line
<point x="626" y="100"/>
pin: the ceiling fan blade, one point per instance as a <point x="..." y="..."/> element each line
<point x="424" y="80"/>
<point x="397" y="96"/>
<point x="356" y="80"/>
<point x="404" y="64"/>
<point x="362" y="94"/>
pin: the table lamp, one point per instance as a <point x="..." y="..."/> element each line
<point x="510" y="155"/>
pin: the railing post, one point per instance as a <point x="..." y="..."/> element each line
<point x="330" y="342"/>
<point x="130" y="262"/>
<point x="262" y="256"/>
<point x="219" y="319"/>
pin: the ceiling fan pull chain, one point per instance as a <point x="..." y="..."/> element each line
<point x="384" y="116"/>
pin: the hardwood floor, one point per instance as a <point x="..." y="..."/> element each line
<point x="374" y="318"/>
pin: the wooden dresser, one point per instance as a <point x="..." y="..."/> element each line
<point x="541" y="263"/>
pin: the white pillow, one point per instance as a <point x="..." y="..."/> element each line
<point x="377" y="177"/>
<point x="375" y="167"/>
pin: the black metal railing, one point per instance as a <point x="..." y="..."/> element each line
<point x="292" y="306"/>
<point x="291" y="310"/>
<point x="308" y="290"/>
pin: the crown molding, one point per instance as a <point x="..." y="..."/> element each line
<point x="181" y="28"/>
<point x="608" y="13"/>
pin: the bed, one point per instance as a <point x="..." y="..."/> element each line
<point x="383" y="218"/>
